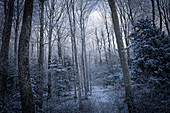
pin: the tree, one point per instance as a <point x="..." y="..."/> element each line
<point x="71" y="15"/>
<point x="122" y="55"/>
<point x="165" y="13"/>
<point x="150" y="64"/>
<point x="105" y="18"/>
<point x="153" y="11"/>
<point x="17" y="25"/>
<point x="99" y="46"/>
<point x="51" y="19"/>
<point x="8" y="8"/>
<point x="23" y="60"/>
<point x="83" y="10"/>
<point x="41" y="57"/>
<point x="160" y="14"/>
<point x="104" y="43"/>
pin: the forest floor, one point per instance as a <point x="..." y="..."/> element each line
<point x="103" y="100"/>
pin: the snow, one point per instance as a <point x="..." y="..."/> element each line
<point x="100" y="94"/>
<point x="103" y="99"/>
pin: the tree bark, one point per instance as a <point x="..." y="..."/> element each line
<point x="72" y="23"/>
<point x="122" y="56"/>
<point x="83" y="50"/>
<point x="41" y="58"/>
<point x="23" y="60"/>
<point x="153" y="12"/>
<point x="98" y="47"/>
<point x="160" y="14"/>
<point x="108" y="36"/>
<point x="16" y="32"/>
<point x="50" y="47"/>
<point x="104" y="42"/>
<point x="5" y="49"/>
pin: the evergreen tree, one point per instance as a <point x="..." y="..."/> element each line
<point x="150" y="65"/>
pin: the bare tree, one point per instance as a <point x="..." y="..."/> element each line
<point x="160" y="14"/>
<point x="41" y="57"/>
<point x="153" y="12"/>
<point x="122" y="56"/>
<point x="165" y="13"/>
<point x="104" y="45"/>
<point x="51" y="19"/>
<point x="71" y="15"/>
<point x="8" y="10"/>
<point x="99" y="46"/>
<point x="23" y="60"/>
<point x="105" y="17"/>
<point x="17" y="25"/>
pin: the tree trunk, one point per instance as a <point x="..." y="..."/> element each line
<point x="23" y="60"/>
<point x="75" y="54"/>
<point x="5" y="49"/>
<point x="90" y="75"/>
<point x="83" y="51"/>
<point x="153" y="12"/>
<point x="122" y="56"/>
<point x="98" y="47"/>
<point x="104" y="42"/>
<point x="124" y="29"/>
<point x="75" y="79"/>
<point x="59" y="48"/>
<point x="108" y="36"/>
<point x="87" y="69"/>
<point x="16" y="33"/>
<point x="50" y="47"/>
<point x="165" y="14"/>
<point x="113" y="39"/>
<point x="41" y="58"/>
<point x="160" y="14"/>
<point x="72" y="23"/>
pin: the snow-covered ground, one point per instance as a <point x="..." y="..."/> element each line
<point x="103" y="100"/>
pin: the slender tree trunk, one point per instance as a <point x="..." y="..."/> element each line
<point x="160" y="14"/>
<point x="5" y="50"/>
<point x="108" y="36"/>
<point x="72" y="23"/>
<point x="98" y="47"/>
<point x="87" y="69"/>
<point x="23" y="60"/>
<point x="83" y="69"/>
<point x="165" y="16"/>
<point x="81" y="76"/>
<point x="153" y="12"/>
<point x="122" y="56"/>
<point x="75" y="79"/>
<point x="113" y="38"/>
<point x="41" y="58"/>
<point x="124" y="28"/>
<point x="16" y="32"/>
<point x="59" y="47"/>
<point x="32" y="50"/>
<point x="104" y="42"/>
<point x="90" y="75"/>
<point x="50" y="47"/>
<point x="83" y="52"/>
<point x="75" y="54"/>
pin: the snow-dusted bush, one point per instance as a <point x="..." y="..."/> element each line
<point x="113" y="79"/>
<point x="62" y="77"/>
<point x="152" y="50"/>
<point x="151" y="64"/>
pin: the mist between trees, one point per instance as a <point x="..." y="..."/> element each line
<point x="92" y="56"/>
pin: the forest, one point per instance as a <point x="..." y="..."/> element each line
<point x="84" y="56"/>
